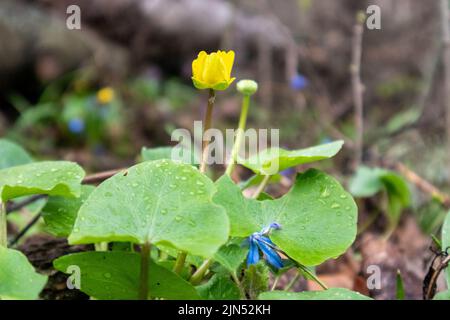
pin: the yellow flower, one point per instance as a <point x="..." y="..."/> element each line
<point x="213" y="71"/>
<point x="105" y="95"/>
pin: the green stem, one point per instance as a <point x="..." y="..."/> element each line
<point x="3" y="226"/>
<point x="275" y="283"/>
<point x="101" y="246"/>
<point x="179" y="263"/>
<point x="314" y="277"/>
<point x="239" y="284"/>
<point x="293" y="281"/>
<point x="198" y="275"/>
<point x="240" y="134"/>
<point x="363" y="227"/>
<point x="145" y="259"/>
<point x="261" y="187"/>
<point x="207" y="125"/>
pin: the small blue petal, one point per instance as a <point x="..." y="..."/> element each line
<point x="76" y="125"/>
<point x="253" y="254"/>
<point x="299" y="82"/>
<point x="266" y="240"/>
<point x="275" y="225"/>
<point x="287" y="172"/>
<point x="271" y="255"/>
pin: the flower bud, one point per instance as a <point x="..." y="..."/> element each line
<point x="247" y="87"/>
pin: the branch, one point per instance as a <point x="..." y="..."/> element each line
<point x="422" y="184"/>
<point x="446" y="62"/>
<point x="101" y="176"/>
<point x="357" y="86"/>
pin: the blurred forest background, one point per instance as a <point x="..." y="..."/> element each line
<point x="99" y="94"/>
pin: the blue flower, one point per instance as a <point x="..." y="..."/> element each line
<point x="299" y="82"/>
<point x="288" y="172"/>
<point x="259" y="241"/>
<point x="76" y="125"/>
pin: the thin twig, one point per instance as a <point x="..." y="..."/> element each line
<point x="430" y="290"/>
<point x="446" y="60"/>
<point x="422" y="184"/>
<point x="15" y="206"/>
<point x="357" y="88"/>
<point x="101" y="176"/>
<point x="25" y="230"/>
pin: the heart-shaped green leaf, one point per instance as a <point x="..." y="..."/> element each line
<point x="219" y="287"/>
<point x="231" y="255"/>
<point x="330" y="294"/>
<point x="60" y="213"/>
<point x="60" y="178"/>
<point x="256" y="279"/>
<point x="446" y="243"/>
<point x="182" y="154"/>
<point x="317" y="216"/>
<point x="12" y="155"/>
<point x="273" y="160"/>
<point x="161" y="202"/>
<point x="115" y="275"/>
<point x="369" y="181"/>
<point x="257" y="179"/>
<point x="18" y="279"/>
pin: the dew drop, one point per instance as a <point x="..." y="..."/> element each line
<point x="335" y="206"/>
<point x="107" y="275"/>
<point x="178" y="218"/>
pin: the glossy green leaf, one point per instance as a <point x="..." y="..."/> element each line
<point x="446" y="243"/>
<point x="317" y="216"/>
<point x="219" y="287"/>
<point x="231" y="256"/>
<point x="330" y="294"/>
<point x="161" y="202"/>
<point x="12" y="154"/>
<point x="369" y="181"/>
<point x="256" y="279"/>
<point x="273" y="160"/>
<point x="18" y="279"/>
<point x="257" y="179"/>
<point x="170" y="153"/>
<point x="115" y="275"/>
<point x="60" y="178"/>
<point x="60" y="212"/>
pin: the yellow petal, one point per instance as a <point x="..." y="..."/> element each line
<point x="214" y="70"/>
<point x="198" y="65"/>
<point x="229" y="60"/>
